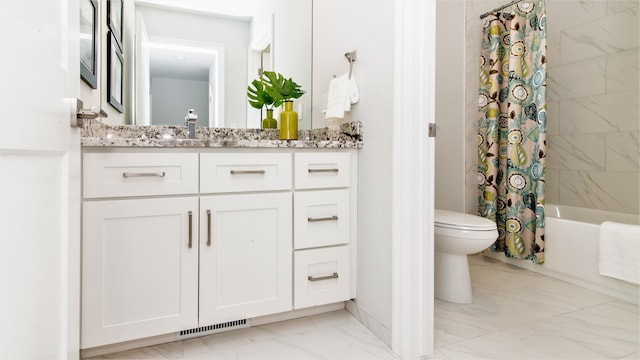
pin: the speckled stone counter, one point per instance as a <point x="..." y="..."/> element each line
<point x="97" y="134"/>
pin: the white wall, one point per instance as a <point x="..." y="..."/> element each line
<point x="233" y="34"/>
<point x="450" y="116"/>
<point x="91" y="97"/>
<point x="172" y="98"/>
<point x="98" y="97"/>
<point x="365" y="26"/>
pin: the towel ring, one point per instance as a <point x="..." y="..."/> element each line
<point x="351" y="57"/>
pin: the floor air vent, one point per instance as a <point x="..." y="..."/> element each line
<point x="215" y="328"/>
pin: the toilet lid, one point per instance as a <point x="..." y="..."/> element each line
<point x="457" y="220"/>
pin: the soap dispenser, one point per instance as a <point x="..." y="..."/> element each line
<point x="190" y="121"/>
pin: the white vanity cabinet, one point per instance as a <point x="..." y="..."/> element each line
<point x="182" y="239"/>
<point x="246" y="238"/>
<point x="139" y="253"/>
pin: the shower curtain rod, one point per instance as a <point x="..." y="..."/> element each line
<point x="499" y="8"/>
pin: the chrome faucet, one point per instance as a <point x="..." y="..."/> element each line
<point x="190" y="121"/>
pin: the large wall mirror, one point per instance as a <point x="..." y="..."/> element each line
<point x="195" y="54"/>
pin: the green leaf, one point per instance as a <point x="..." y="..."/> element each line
<point x="280" y="87"/>
<point x="257" y="95"/>
<point x="271" y="90"/>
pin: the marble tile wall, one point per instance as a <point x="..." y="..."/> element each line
<point x="593" y="148"/>
<point x="593" y="101"/>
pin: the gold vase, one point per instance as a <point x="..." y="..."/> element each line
<point x="288" y="122"/>
<point x="269" y="122"/>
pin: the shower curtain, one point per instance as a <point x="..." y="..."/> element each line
<point x="512" y="128"/>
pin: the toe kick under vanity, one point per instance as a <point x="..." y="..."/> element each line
<point x="185" y="238"/>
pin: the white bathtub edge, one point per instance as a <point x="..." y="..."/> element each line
<point x="625" y="292"/>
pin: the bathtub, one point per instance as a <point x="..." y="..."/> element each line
<point x="571" y="250"/>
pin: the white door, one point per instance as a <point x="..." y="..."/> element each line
<point x="245" y="256"/>
<point x="39" y="180"/>
<point x="413" y="179"/>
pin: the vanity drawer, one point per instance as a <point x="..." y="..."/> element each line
<point x="322" y="170"/>
<point x="235" y="172"/>
<point x="139" y="174"/>
<point x="321" y="276"/>
<point x="321" y="218"/>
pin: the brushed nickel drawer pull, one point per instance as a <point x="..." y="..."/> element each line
<point x="334" y="276"/>
<point x="330" y="218"/>
<point x="208" y="227"/>
<point x="323" y="170"/>
<point x="143" y="174"/>
<point x="190" y="228"/>
<point x="247" y="172"/>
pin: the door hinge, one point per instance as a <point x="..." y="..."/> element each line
<point x="432" y="130"/>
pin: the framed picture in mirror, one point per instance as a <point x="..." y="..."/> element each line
<point x="114" y="19"/>
<point x="114" y="73"/>
<point x="88" y="36"/>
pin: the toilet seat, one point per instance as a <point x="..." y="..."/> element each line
<point x="460" y="221"/>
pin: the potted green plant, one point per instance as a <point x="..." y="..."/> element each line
<point x="271" y="90"/>
<point x="259" y="98"/>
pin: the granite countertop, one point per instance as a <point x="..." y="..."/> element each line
<point x="97" y="134"/>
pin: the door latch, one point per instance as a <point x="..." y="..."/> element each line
<point x="86" y="114"/>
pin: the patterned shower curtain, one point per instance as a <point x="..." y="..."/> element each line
<point x="512" y="128"/>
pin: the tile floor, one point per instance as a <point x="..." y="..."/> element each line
<point x="516" y="314"/>
<point x="519" y="314"/>
<point x="333" y="335"/>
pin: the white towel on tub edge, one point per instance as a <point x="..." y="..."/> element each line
<point x="619" y="255"/>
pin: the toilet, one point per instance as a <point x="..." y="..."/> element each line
<point x="457" y="235"/>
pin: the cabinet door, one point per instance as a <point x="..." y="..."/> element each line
<point x="245" y="256"/>
<point x="140" y="268"/>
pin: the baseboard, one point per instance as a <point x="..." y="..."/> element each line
<point x="294" y="314"/>
<point x="128" y="345"/>
<point x="166" y="338"/>
<point x="379" y="329"/>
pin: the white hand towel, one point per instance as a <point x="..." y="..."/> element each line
<point x="343" y="91"/>
<point x="353" y="95"/>
<point x="336" y="98"/>
<point x="620" y="251"/>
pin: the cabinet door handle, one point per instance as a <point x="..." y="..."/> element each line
<point x="208" y="227"/>
<point x="143" y="174"/>
<point x="333" y="276"/>
<point x="330" y="218"/>
<point x="335" y="170"/>
<point x="190" y="228"/>
<point x="247" y="172"/>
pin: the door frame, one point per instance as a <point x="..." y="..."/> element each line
<point x="413" y="178"/>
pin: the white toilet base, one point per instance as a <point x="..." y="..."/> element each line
<point x="452" y="280"/>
